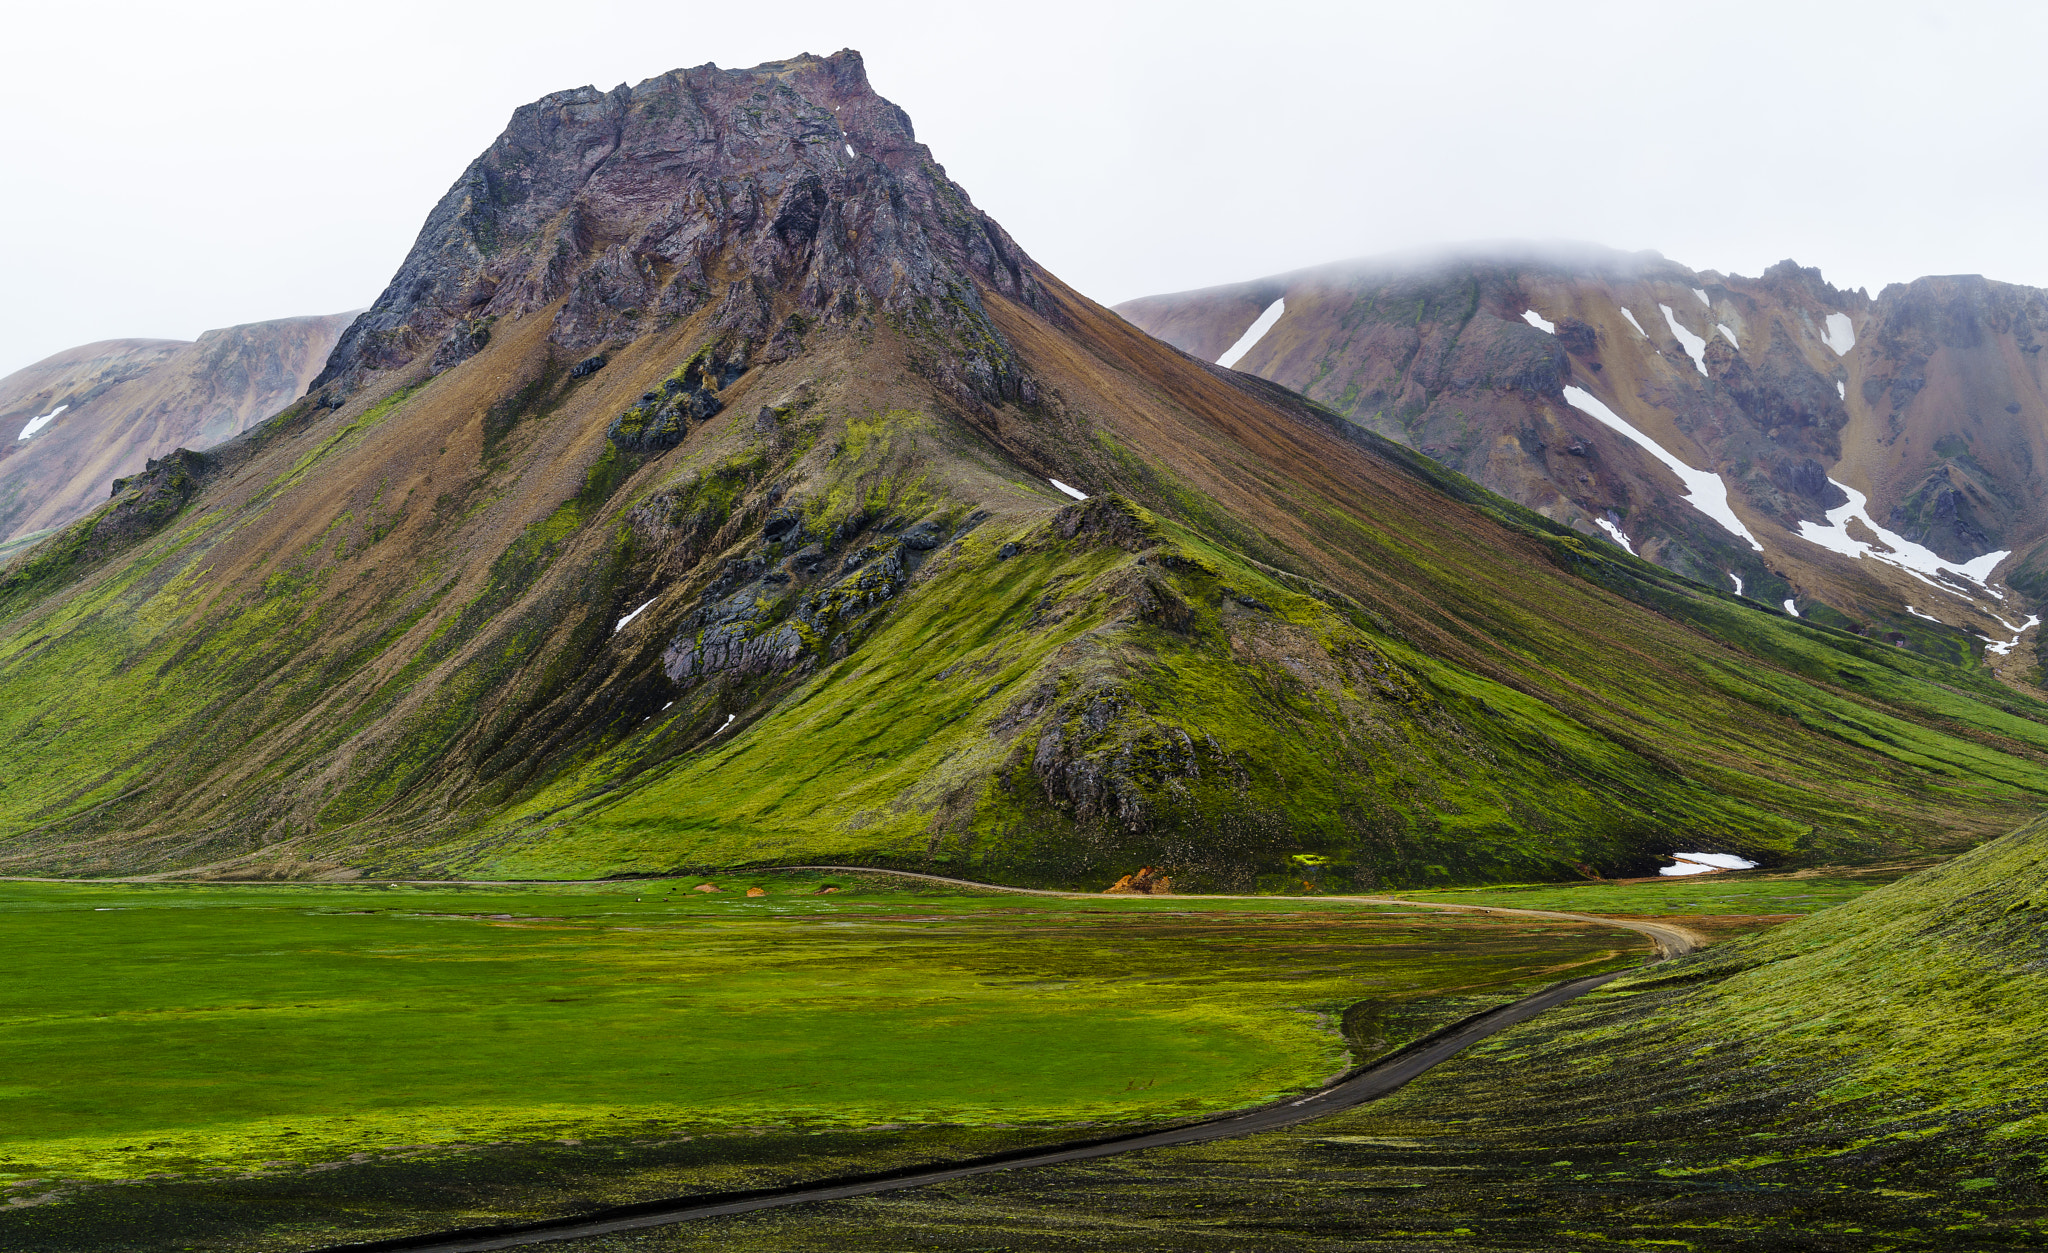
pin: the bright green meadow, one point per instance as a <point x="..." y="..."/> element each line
<point x="187" y="1029"/>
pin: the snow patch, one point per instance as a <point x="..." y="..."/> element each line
<point x="1704" y="863"/>
<point x="1721" y="327"/>
<point x="1694" y="346"/>
<point x="37" y="424"/>
<point x="1632" y="322"/>
<point x="1538" y="321"/>
<point x="2003" y="649"/>
<point x="1920" y="562"/>
<point x="629" y="617"/>
<point x="1841" y="389"/>
<point x="1738" y="582"/>
<point x="723" y="725"/>
<point x="1790" y="607"/>
<point x="1615" y="531"/>
<point x="1253" y="334"/>
<point x="1704" y="489"/>
<point x="849" y="150"/>
<point x="1076" y="493"/>
<point x="1701" y="292"/>
<point x="1840" y="335"/>
<point x="1916" y="613"/>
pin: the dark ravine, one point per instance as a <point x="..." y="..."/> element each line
<point x="1359" y="1086"/>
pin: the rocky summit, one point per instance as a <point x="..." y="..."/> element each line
<point x="714" y="485"/>
<point x="1869" y="462"/>
<point x="776" y="202"/>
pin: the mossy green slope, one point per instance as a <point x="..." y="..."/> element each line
<point x="764" y="579"/>
<point x="1049" y="694"/>
<point x="1165" y="671"/>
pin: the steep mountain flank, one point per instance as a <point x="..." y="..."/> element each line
<point x="73" y="423"/>
<point x="703" y="492"/>
<point x="1780" y="396"/>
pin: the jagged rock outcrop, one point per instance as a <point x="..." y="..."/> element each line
<point x="781" y="198"/>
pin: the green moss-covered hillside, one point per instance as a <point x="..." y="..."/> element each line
<point x="576" y="565"/>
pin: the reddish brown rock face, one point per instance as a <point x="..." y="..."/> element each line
<point x="785" y="196"/>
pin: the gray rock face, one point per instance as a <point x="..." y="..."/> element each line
<point x="757" y="629"/>
<point x="623" y="205"/>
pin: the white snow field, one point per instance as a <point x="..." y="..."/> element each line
<point x="1840" y="335"/>
<point x="1738" y="581"/>
<point x="1841" y="389"/>
<point x="1905" y="554"/>
<point x="1075" y="492"/>
<point x="1253" y="334"/>
<point x="1791" y="608"/>
<point x="37" y="424"/>
<point x="629" y="617"/>
<point x="1704" y="863"/>
<point x="1723" y="328"/>
<point x="1695" y="347"/>
<point x="1701" y="292"/>
<point x="1632" y="322"/>
<point x="2003" y="649"/>
<point x="1538" y="321"/>
<point x="1704" y="489"/>
<point x="1615" y="531"/>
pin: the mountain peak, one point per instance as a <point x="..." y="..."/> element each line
<point x="780" y="198"/>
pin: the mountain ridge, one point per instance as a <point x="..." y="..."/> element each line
<point x="673" y="571"/>
<point x="1728" y="376"/>
<point x="75" y="421"/>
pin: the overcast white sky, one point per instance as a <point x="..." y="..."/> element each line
<point x="175" y="168"/>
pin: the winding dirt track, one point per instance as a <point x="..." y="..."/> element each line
<point x="1356" y="1088"/>
<point x="1671" y="941"/>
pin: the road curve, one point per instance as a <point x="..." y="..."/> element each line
<point x="1356" y="1088"/>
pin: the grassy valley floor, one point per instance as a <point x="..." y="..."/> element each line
<point x="290" y="1065"/>
<point x="1866" y="1077"/>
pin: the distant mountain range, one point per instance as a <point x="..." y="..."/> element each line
<point x="715" y="485"/>
<point x="1880" y="464"/>
<point x="74" y="422"/>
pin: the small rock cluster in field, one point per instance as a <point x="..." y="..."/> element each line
<point x="1146" y="882"/>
